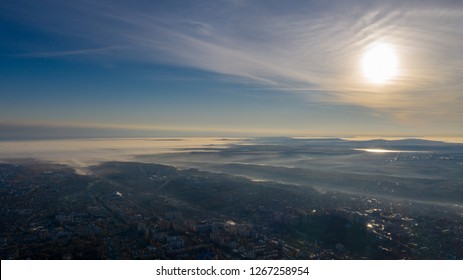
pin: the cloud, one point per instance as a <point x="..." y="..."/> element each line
<point x="94" y="51"/>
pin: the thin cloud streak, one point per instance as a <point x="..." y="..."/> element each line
<point x="94" y="51"/>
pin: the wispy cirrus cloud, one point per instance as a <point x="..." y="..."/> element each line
<point x="80" y="52"/>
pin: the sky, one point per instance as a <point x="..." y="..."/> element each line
<point x="228" y="68"/>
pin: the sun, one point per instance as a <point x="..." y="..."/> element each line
<point x="380" y="63"/>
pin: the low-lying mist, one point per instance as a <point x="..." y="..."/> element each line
<point x="410" y="169"/>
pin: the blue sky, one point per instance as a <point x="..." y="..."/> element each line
<point x="229" y="67"/>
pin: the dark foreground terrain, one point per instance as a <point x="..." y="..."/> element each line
<point x="131" y="210"/>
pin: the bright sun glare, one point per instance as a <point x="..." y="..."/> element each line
<point x="379" y="63"/>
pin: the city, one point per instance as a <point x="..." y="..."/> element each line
<point x="132" y="210"/>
